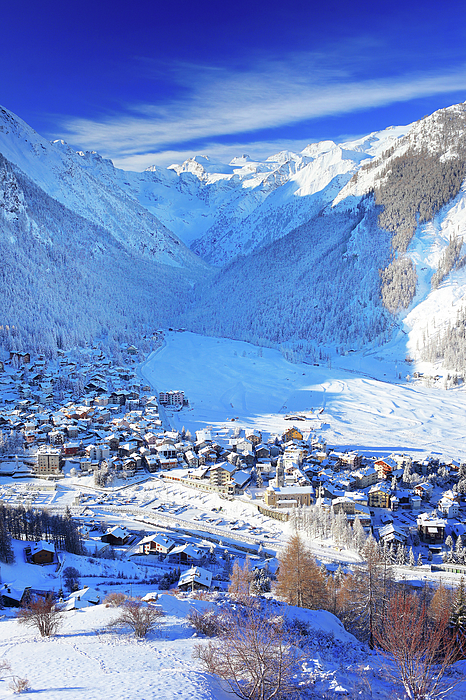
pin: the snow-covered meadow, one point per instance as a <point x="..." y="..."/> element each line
<point x="359" y="402"/>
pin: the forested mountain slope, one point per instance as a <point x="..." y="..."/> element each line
<point x="63" y="278"/>
<point x="338" y="245"/>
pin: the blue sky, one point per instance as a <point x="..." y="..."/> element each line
<point x="156" y="82"/>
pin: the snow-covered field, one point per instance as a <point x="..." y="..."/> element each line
<point x="365" y="405"/>
<point x="87" y="661"/>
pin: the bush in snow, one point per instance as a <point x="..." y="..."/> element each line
<point x="41" y="614"/>
<point x="139" y="616"/>
<point x="114" y="600"/>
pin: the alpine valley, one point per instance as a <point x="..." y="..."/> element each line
<point x="341" y="247"/>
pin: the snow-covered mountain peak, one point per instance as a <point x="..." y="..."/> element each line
<point x="315" y="149"/>
<point x="284" y="157"/>
<point x="240" y="160"/>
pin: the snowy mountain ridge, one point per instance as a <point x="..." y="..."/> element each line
<point x="340" y="243"/>
<point x="79" y="181"/>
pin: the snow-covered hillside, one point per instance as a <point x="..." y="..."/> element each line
<point x="80" y="182"/>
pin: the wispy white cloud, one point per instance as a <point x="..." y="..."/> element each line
<point x="219" y="103"/>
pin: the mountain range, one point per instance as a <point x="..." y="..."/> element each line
<point x="343" y="246"/>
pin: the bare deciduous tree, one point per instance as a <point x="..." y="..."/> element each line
<point x="364" y="594"/>
<point x="255" y="657"/>
<point x="41" y="613"/>
<point x="420" y="651"/>
<point x="139" y="616"/>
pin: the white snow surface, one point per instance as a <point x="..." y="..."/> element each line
<point x="365" y="406"/>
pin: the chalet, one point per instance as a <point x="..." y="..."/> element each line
<point x="185" y="554"/>
<point x="71" y="449"/>
<point x="241" y="479"/>
<point x="127" y="448"/>
<point x="424" y="490"/>
<point x="415" y="501"/>
<point x="113" y="442"/>
<point x="431" y="529"/>
<point x="195" y="578"/>
<point x="353" y="460"/>
<point x="448" y="507"/>
<point x="151" y="463"/>
<point x="254" y="437"/>
<point x="262" y="452"/>
<point x="208" y="454"/>
<point x="453" y="495"/>
<point x="343" y="505"/>
<point x="21" y="358"/>
<point x="42" y="553"/>
<point x="167" y="463"/>
<point x="116" y="536"/>
<point x="203" y="436"/>
<point x="98" y="452"/>
<point x="362" y="512"/>
<point x="191" y="458"/>
<point x="14" y="595"/>
<point x="167" y="450"/>
<point x="117" y="397"/>
<point x="199" y="473"/>
<point x="171" y="398"/>
<point x="221" y="474"/>
<point x="391" y="533"/>
<point x="72" y="431"/>
<point x="156" y="544"/>
<point x="292" y="434"/>
<point x="385" y="467"/>
<point x="56" y="437"/>
<point x="292" y="455"/>
<point x="150" y="438"/>
<point x="379" y="495"/>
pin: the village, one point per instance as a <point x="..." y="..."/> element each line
<point x="95" y="430"/>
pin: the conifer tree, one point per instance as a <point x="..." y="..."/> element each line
<point x="359" y="536"/>
<point x="458" y="613"/>
<point x="441" y="600"/>
<point x="240" y="580"/>
<point x="7" y="555"/>
<point x="300" y="581"/>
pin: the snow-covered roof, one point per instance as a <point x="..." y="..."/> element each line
<point x="187" y="549"/>
<point x="82" y="599"/>
<point x="196" y="574"/>
<point x="118" y="531"/>
<point x="160" y="539"/>
<point x="42" y="546"/>
<point x="241" y="478"/>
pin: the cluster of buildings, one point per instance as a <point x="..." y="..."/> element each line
<point x="102" y="416"/>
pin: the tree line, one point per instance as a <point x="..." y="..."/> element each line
<point x="33" y="525"/>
